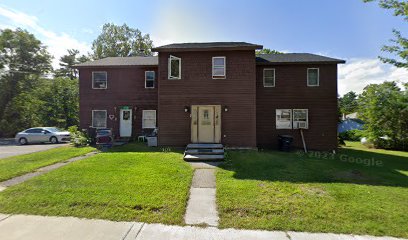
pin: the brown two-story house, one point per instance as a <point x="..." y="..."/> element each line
<point x="218" y="92"/>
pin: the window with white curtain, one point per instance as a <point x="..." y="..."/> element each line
<point x="149" y="119"/>
<point x="218" y="67"/>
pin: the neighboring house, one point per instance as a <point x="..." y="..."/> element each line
<point x="350" y="122"/>
<point x="217" y="92"/>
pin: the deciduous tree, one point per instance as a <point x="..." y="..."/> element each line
<point x="267" y="51"/>
<point x="121" y="41"/>
<point x="384" y="109"/>
<point x="399" y="45"/>
<point x="23" y="60"/>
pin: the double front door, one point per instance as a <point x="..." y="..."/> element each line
<point x="206" y="123"/>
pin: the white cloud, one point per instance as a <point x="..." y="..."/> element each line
<point x="57" y="43"/>
<point x="358" y="73"/>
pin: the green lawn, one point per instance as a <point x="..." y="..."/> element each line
<point x="130" y="183"/>
<point x="317" y="192"/>
<point x="19" y="165"/>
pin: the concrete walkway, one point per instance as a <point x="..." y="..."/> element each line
<point x="16" y="227"/>
<point x="40" y="171"/>
<point x="201" y="206"/>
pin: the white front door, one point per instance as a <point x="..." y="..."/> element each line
<point x="125" y="123"/>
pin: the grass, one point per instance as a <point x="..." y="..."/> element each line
<point x="18" y="165"/>
<point x="358" y="191"/>
<point x="129" y="183"/>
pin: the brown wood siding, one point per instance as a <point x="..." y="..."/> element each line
<point x="126" y="87"/>
<point x="291" y="92"/>
<point x="196" y="87"/>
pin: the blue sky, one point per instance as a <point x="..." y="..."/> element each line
<point x="348" y="29"/>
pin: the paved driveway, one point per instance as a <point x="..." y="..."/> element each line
<point x="9" y="148"/>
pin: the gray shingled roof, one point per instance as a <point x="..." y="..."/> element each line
<point x="294" y="58"/>
<point x="208" y="45"/>
<point x="121" y="61"/>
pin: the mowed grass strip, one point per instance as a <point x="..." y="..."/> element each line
<point x="120" y="186"/>
<point x="287" y="191"/>
<point x="18" y="165"/>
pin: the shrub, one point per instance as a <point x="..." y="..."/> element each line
<point x="78" y="138"/>
<point x="351" y="135"/>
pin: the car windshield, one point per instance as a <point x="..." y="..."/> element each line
<point x="53" y="129"/>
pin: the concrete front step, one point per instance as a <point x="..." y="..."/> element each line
<point x="199" y="157"/>
<point x="205" y="151"/>
<point x="204" y="145"/>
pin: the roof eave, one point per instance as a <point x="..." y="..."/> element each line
<point x="192" y="49"/>
<point x="114" y="66"/>
<point x="299" y="63"/>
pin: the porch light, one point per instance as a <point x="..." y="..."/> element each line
<point x="186" y="109"/>
<point x="225" y="108"/>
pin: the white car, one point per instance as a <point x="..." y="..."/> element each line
<point x="42" y="134"/>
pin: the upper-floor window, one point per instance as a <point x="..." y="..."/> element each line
<point x="269" y="77"/>
<point x="218" y="67"/>
<point x="99" y="80"/>
<point x="149" y="79"/>
<point x="99" y="118"/>
<point x="174" y="70"/>
<point x="312" y="77"/>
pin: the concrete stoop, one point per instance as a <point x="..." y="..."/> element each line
<point x="204" y="152"/>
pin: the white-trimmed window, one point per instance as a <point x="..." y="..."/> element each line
<point x="99" y="118"/>
<point x="149" y="119"/>
<point x="312" y="77"/>
<point x="174" y="71"/>
<point x="300" y="118"/>
<point x="99" y="80"/>
<point x="218" y="67"/>
<point x="283" y="118"/>
<point x="149" y="79"/>
<point x="269" y="77"/>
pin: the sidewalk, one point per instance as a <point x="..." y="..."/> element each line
<point x="69" y="228"/>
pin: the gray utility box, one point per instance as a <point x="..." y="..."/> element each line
<point x="151" y="141"/>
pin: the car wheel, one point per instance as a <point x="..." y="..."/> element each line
<point x="53" y="140"/>
<point x="23" y="141"/>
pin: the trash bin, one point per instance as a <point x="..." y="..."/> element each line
<point x="151" y="141"/>
<point x="285" y="142"/>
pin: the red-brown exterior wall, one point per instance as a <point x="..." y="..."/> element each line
<point x="126" y="87"/>
<point x="291" y="92"/>
<point x="196" y="87"/>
